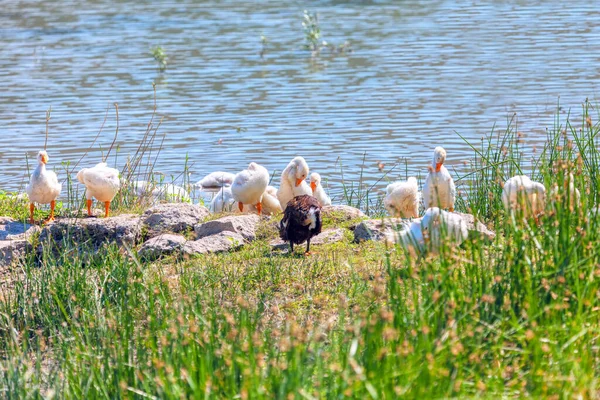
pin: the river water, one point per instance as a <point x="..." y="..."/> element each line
<point x="418" y="72"/>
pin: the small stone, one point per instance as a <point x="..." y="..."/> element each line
<point x="243" y="225"/>
<point x="173" y="217"/>
<point x="346" y="213"/>
<point x="477" y="229"/>
<point x="218" y="242"/>
<point x="376" y="229"/>
<point x="161" y="245"/>
<point x="13" y="250"/>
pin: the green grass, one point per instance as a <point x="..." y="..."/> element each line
<point x="516" y="318"/>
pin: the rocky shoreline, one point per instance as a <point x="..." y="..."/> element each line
<point x="181" y="228"/>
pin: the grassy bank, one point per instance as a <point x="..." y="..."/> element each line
<point x="517" y="317"/>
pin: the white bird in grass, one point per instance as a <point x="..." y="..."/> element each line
<point x="43" y="187"/>
<point x="171" y="193"/>
<point x="214" y="181"/>
<point x="293" y="181"/>
<point x="249" y="186"/>
<point x="522" y="194"/>
<point x="570" y="193"/>
<point x="402" y="199"/>
<point x="428" y="234"/>
<point x="318" y="191"/>
<point x="102" y="183"/>
<point x="223" y="201"/>
<point x="439" y="189"/>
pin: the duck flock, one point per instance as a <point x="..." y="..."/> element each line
<point x="301" y="202"/>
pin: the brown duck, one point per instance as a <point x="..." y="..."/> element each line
<point x="301" y="221"/>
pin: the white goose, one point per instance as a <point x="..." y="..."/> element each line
<point x="293" y="181"/>
<point x="318" y="191"/>
<point x="522" y="194"/>
<point x="249" y="186"/>
<point x="439" y="189"/>
<point x="429" y="233"/>
<point x="223" y="200"/>
<point x="570" y="192"/>
<point x="270" y="202"/>
<point x="43" y="187"/>
<point x="101" y="182"/>
<point x="402" y="199"/>
<point x="214" y="181"/>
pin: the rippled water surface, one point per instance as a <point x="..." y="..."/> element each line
<point x="418" y="72"/>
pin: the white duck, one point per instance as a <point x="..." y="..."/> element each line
<point x="439" y="227"/>
<point x="214" y="181"/>
<point x="521" y="193"/>
<point x="402" y="199"/>
<point x="223" y="201"/>
<point x="570" y="193"/>
<point x="293" y="181"/>
<point x="429" y="233"/>
<point x="249" y="186"/>
<point x="318" y="191"/>
<point x="410" y="238"/>
<point x="43" y="187"/>
<point x="439" y="189"/>
<point x="270" y="202"/>
<point x="101" y="182"/>
<point x="170" y="193"/>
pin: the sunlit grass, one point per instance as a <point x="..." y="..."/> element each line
<point x="517" y="317"/>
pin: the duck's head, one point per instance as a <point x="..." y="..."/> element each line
<point x="439" y="156"/>
<point x="315" y="181"/>
<point x="298" y="170"/>
<point x="42" y="157"/>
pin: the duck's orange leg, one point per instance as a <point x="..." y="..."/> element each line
<point x="31" y="209"/>
<point x="106" y="208"/>
<point x="52" y="205"/>
<point x="89" y="207"/>
<point x="259" y="208"/>
<point x="241" y="206"/>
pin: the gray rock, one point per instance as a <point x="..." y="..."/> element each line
<point x="331" y="235"/>
<point x="243" y="225"/>
<point x="161" y="245"/>
<point x="13" y="250"/>
<point x="14" y="242"/>
<point x="476" y="228"/>
<point x="376" y="229"/>
<point x="218" y="242"/>
<point x="346" y="212"/>
<point x="173" y="217"/>
<point x="11" y="229"/>
<point x="121" y="229"/>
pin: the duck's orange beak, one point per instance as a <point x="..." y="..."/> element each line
<point x="438" y="166"/>
<point x="298" y="182"/>
<point x="313" y="186"/>
<point x="44" y="159"/>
